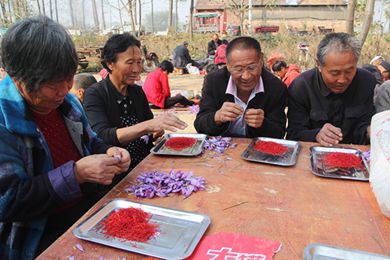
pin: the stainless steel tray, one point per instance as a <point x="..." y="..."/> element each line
<point x="179" y="231"/>
<point x="319" y="168"/>
<point x="196" y="149"/>
<point x="325" y="252"/>
<point x="288" y="159"/>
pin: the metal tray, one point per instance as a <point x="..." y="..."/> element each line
<point x="196" y="149"/>
<point x="325" y="252"/>
<point x="288" y="159"/>
<point x="179" y="231"/>
<point x="319" y="169"/>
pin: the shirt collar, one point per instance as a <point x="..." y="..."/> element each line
<point x="232" y="88"/>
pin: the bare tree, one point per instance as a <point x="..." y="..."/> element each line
<point x="351" y="16"/>
<point x="170" y="15"/>
<point x="190" y="19"/>
<point x="367" y="21"/>
<point x="71" y="13"/>
<point x="239" y="9"/>
<point x="139" y="19"/>
<point x="56" y="7"/>
<point x="103" y="18"/>
<point x="176" y="15"/>
<point x="131" y="13"/>
<point x="51" y="9"/>
<point x="95" y="14"/>
<point x="43" y="7"/>
<point x="152" y="11"/>
<point x="39" y="6"/>
<point x="83" y="13"/>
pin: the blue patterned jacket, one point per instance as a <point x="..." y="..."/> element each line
<point x="29" y="186"/>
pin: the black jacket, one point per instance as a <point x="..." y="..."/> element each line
<point x="272" y="101"/>
<point x="103" y="111"/>
<point x="211" y="47"/>
<point x="310" y="107"/>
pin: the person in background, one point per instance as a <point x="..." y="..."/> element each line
<point x="242" y="99"/>
<point x="157" y="91"/>
<point x="117" y="109"/>
<point x="213" y="45"/>
<point x="382" y="99"/>
<point x="81" y="82"/>
<point x="220" y="53"/>
<point x="286" y="73"/>
<point x="332" y="103"/>
<point x="181" y="57"/>
<point x="376" y="60"/>
<point x="384" y="68"/>
<point x="51" y="162"/>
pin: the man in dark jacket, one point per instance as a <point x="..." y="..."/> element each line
<point x="332" y="103"/>
<point x="213" y="44"/>
<point x="244" y="99"/>
<point x="181" y="57"/>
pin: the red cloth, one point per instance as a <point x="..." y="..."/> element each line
<point x="156" y="87"/>
<point x="221" y="246"/>
<point x="291" y="74"/>
<point x="57" y="137"/>
<point x="220" y="54"/>
<point x="103" y="73"/>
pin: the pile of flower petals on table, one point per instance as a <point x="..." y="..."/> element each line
<point x="159" y="183"/>
<point x="218" y="144"/>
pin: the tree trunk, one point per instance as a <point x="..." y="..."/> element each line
<point x="43" y="6"/>
<point x="190" y="20"/>
<point x="135" y="10"/>
<point x="4" y="19"/>
<point x="351" y="16"/>
<point x="39" y="7"/>
<point x="242" y="13"/>
<point x="71" y="13"/>
<point x="51" y="9"/>
<point x="131" y="14"/>
<point x="103" y="18"/>
<point x="170" y="15"/>
<point x="120" y="14"/>
<point x="176" y="15"/>
<point x="56" y="7"/>
<point x="367" y="21"/>
<point x="95" y="14"/>
<point x="152" y="16"/>
<point x="83" y="13"/>
<point x="139" y="19"/>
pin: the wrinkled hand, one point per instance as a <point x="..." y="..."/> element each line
<point x="329" y="135"/>
<point x="228" y="113"/>
<point x="254" y="117"/>
<point x="123" y="157"/>
<point x="166" y="121"/>
<point x="97" y="168"/>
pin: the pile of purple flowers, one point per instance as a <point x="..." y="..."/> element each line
<point x="218" y="144"/>
<point x="156" y="183"/>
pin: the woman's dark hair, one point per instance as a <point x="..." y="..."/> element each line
<point x="243" y="43"/>
<point x="278" y="65"/>
<point x="38" y="50"/>
<point x="166" y="66"/>
<point x="116" y="44"/>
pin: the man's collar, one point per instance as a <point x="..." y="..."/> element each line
<point x="324" y="91"/>
<point x="232" y="88"/>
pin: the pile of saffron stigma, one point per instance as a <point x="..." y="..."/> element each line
<point x="271" y="148"/>
<point x="342" y="160"/>
<point x="180" y="143"/>
<point x="129" y="224"/>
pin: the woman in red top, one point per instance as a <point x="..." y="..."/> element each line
<point x="156" y="88"/>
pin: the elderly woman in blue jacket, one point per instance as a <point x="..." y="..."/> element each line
<point x="51" y="162"/>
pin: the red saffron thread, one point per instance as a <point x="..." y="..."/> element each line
<point x="342" y="160"/>
<point x="270" y="147"/>
<point x="129" y="224"/>
<point x="180" y="143"/>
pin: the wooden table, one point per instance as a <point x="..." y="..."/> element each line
<point x="285" y="204"/>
